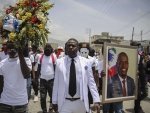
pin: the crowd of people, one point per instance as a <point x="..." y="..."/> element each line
<point x="72" y="77"/>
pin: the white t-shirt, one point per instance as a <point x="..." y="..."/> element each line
<point x="14" y="90"/>
<point x="100" y="67"/>
<point x="93" y="61"/>
<point x="47" y="68"/>
<point x="62" y="54"/>
<point x="3" y="56"/>
<point x="34" y="58"/>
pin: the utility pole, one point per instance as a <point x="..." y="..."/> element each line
<point x="88" y="30"/>
<point x="132" y="33"/>
<point x="141" y="35"/>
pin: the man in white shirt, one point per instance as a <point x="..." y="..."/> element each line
<point x="35" y="56"/>
<point x="14" y="71"/>
<point x="46" y="69"/>
<point x="84" y="50"/>
<point x="73" y="76"/>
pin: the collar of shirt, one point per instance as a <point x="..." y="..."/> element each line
<point x="121" y="79"/>
<point x="13" y="59"/>
<point x="69" y="59"/>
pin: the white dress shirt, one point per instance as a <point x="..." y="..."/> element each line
<point x="78" y="74"/>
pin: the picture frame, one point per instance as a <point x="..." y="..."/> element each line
<point x="120" y="62"/>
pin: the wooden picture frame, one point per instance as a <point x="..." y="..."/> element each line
<point x="116" y="68"/>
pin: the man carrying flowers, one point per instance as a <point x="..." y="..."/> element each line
<point x="13" y="73"/>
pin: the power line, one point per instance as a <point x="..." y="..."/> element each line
<point x="143" y="33"/>
<point x="104" y="11"/>
<point x="146" y="32"/>
<point x="132" y="22"/>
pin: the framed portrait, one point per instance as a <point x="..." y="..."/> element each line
<point x="120" y="66"/>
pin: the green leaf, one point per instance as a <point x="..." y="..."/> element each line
<point x="44" y="40"/>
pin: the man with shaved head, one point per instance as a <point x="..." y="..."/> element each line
<point x="122" y="64"/>
<point x="120" y="85"/>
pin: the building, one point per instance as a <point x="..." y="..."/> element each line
<point x="97" y="41"/>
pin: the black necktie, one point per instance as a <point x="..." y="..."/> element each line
<point x="72" y="82"/>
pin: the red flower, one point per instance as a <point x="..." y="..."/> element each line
<point x="34" y="4"/>
<point x="8" y="11"/>
<point x="33" y="20"/>
<point x="26" y="3"/>
<point x="34" y="11"/>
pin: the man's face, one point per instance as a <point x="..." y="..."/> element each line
<point x="12" y="51"/>
<point x="122" y="65"/>
<point x="72" y="48"/>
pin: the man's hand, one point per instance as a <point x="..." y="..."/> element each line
<point x="55" y="107"/>
<point x="97" y="107"/>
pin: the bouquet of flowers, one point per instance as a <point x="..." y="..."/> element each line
<point x="26" y="22"/>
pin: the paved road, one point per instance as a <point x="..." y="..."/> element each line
<point x="128" y="105"/>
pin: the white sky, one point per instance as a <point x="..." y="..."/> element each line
<point x="71" y="18"/>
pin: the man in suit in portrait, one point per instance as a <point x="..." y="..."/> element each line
<point x="72" y="76"/>
<point x="121" y="85"/>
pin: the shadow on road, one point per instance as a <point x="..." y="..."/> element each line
<point x="129" y="110"/>
<point x="147" y="99"/>
<point x="47" y="112"/>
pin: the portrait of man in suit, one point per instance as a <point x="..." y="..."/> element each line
<point x="121" y="84"/>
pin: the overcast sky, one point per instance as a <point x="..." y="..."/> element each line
<point x="74" y="18"/>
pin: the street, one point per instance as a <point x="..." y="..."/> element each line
<point x="127" y="105"/>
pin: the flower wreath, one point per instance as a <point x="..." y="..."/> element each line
<point x="26" y="21"/>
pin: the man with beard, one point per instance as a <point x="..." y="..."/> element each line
<point x="13" y="74"/>
<point x="46" y="69"/>
<point x="73" y="76"/>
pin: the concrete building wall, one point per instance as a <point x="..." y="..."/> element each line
<point x="96" y="41"/>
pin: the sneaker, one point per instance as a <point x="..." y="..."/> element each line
<point x="35" y="98"/>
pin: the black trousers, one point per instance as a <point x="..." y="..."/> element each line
<point x="45" y="86"/>
<point x="13" y="109"/>
<point x="100" y="86"/>
<point x="142" y="94"/>
<point x="35" y="84"/>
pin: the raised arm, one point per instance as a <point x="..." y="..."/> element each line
<point x="24" y="67"/>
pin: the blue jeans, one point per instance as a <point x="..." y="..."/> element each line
<point x="117" y="107"/>
<point x="29" y="87"/>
